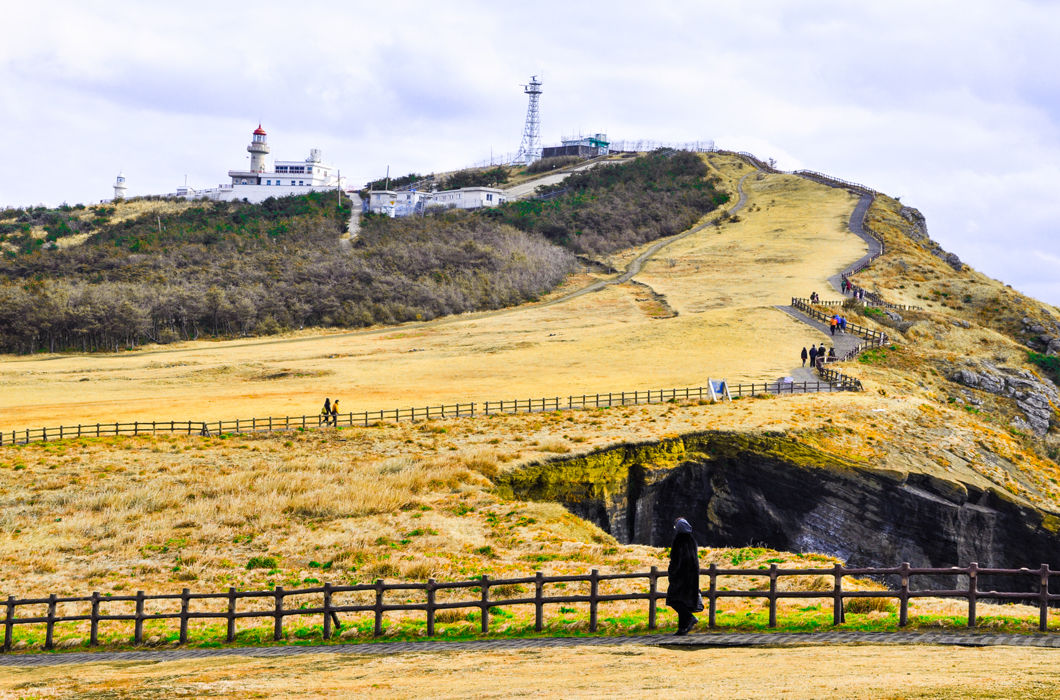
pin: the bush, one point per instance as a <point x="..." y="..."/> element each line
<point x="262" y="562"/>
<point x="868" y="605"/>
<point x="1049" y="363"/>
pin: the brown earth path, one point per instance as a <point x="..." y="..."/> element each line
<point x="691" y="641"/>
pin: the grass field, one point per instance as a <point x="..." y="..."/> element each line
<point x="801" y="672"/>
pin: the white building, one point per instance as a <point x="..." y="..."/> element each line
<point x="394" y="203"/>
<point x="258" y="183"/>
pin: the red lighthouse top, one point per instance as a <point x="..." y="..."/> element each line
<point x="259" y="131"/>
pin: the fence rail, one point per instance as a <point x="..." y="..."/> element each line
<point x="325" y="601"/>
<point x="874" y="337"/>
<point x="366" y="418"/>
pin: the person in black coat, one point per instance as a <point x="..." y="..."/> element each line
<point x="683" y="574"/>
<point x="804" y="356"/>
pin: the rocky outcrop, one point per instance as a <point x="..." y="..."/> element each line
<point x="918" y="232"/>
<point x="740" y="489"/>
<point x="1044" y="336"/>
<point x="1037" y="399"/>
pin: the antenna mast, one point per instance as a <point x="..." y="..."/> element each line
<point x="530" y="148"/>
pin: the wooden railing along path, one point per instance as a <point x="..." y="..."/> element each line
<point x="458" y="410"/>
<point x="325" y="602"/>
<point x="874" y="337"/>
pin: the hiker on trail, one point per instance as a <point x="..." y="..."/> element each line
<point x="813" y="356"/>
<point x="833" y="323"/>
<point x="831" y="354"/>
<point x="683" y="575"/>
<point x="325" y="413"/>
<point x="804" y="356"/>
<point x="335" y="412"/>
<point x="843" y="323"/>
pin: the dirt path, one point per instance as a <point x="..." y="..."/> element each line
<point x="589" y="668"/>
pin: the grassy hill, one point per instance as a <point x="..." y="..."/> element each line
<point x="416" y="500"/>
<point x="236" y="269"/>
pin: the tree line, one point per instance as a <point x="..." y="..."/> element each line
<point x="226" y="269"/>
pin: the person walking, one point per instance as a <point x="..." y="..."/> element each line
<point x="833" y="323"/>
<point x="831" y="354"/>
<point x="325" y="413"/>
<point x="813" y="356"/>
<point x="804" y="356"/>
<point x="335" y="412"/>
<point x="683" y="594"/>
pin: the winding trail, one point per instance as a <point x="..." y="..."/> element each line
<point x="692" y="641"/>
<point x="857" y="227"/>
<point x="843" y="342"/>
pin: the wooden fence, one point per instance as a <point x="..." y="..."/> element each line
<point x="366" y="418"/>
<point x="325" y="602"/>
<point x="874" y="337"/>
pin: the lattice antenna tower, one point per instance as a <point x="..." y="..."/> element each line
<point x="530" y="148"/>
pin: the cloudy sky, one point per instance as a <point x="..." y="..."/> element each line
<point x="953" y="106"/>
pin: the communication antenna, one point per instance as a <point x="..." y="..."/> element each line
<point x="530" y="148"/>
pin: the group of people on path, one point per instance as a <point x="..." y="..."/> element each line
<point x="329" y="415"/>
<point x="817" y="352"/>
<point x="853" y="290"/>
<point x="837" y="322"/>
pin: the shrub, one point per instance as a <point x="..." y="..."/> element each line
<point x="868" y="605"/>
<point x="1049" y="363"/>
<point x="262" y="562"/>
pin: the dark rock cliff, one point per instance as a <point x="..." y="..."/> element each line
<point x="771" y="490"/>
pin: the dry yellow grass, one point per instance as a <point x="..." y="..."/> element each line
<point x="605" y="341"/>
<point x="591" y="672"/>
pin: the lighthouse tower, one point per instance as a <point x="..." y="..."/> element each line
<point x="119" y="187"/>
<point x="258" y="148"/>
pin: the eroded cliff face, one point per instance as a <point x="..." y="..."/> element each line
<point x="768" y="489"/>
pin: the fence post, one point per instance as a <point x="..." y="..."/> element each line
<point x="231" y="632"/>
<point x="379" y="588"/>
<point x="1043" y="598"/>
<point x="903" y="595"/>
<point x="138" y="627"/>
<point x="653" y="580"/>
<point x="9" y="623"/>
<point x="184" y="603"/>
<point x="485" y="604"/>
<point x="772" y="595"/>
<point x="327" y="610"/>
<point x="50" y="630"/>
<point x="973" y="589"/>
<point x="837" y="595"/>
<point x="712" y="597"/>
<point x="93" y="629"/>
<point x="430" y="607"/>
<point x="277" y="625"/>
<point x="594" y="591"/>
<point x="539" y="603"/>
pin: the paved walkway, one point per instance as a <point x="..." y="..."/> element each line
<point x="843" y="342"/>
<point x="706" y="640"/>
<point x="857" y="227"/>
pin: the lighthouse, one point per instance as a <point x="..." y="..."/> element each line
<point x="258" y="148"/>
<point x="119" y="187"/>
